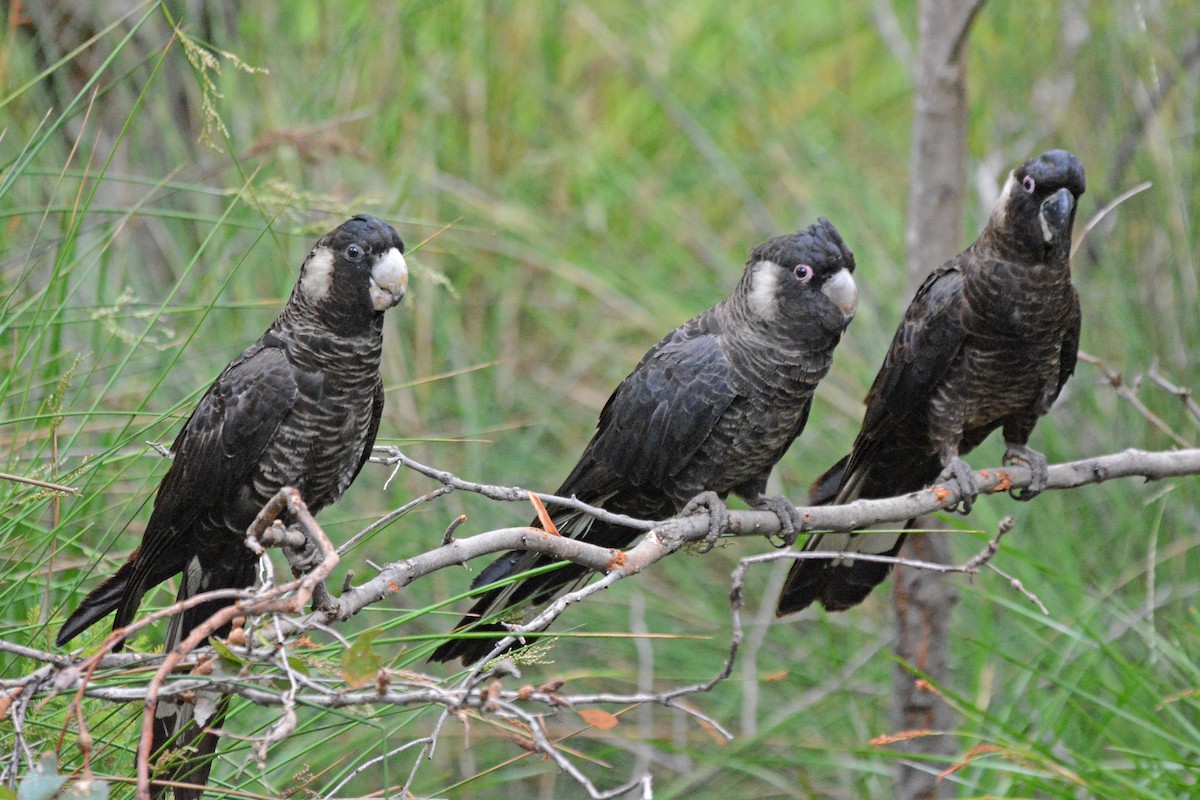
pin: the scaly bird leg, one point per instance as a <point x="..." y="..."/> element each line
<point x="958" y="473"/>
<point x="718" y="515"/>
<point x="782" y="508"/>
<point x="1037" y="466"/>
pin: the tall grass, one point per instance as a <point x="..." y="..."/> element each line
<point x="579" y="178"/>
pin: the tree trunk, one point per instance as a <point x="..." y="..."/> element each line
<point x="937" y="181"/>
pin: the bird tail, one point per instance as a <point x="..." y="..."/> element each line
<point x="535" y="590"/>
<point x="183" y="741"/>
<point x="842" y="583"/>
<point x="838" y="584"/>
<point x="113" y="593"/>
<point x="824" y="490"/>
<point x="531" y="591"/>
<point x="191" y="746"/>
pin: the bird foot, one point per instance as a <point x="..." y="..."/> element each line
<point x="718" y="515"/>
<point x="305" y="558"/>
<point x="1038" y="467"/>
<point x="959" y="474"/>
<point x="788" y="524"/>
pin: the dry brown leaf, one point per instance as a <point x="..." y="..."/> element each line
<point x="543" y="515"/>
<point x="599" y="719"/>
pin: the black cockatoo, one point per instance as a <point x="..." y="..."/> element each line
<point x="300" y="407"/>
<point x="988" y="342"/>
<point x="710" y="408"/>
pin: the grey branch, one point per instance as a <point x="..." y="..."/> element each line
<point x="667" y="537"/>
<point x="284" y="604"/>
<point x="662" y="539"/>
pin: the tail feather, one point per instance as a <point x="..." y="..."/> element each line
<point x="837" y="584"/>
<point x="535" y="590"/>
<point x="844" y="583"/>
<point x="99" y="603"/>
<point x="824" y="490"/>
<point x="184" y="744"/>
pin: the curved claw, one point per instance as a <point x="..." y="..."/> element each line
<point x="1038" y="468"/>
<point x="959" y="473"/>
<point x="782" y="508"/>
<point x="718" y="516"/>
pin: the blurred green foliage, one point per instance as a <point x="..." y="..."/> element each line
<point x="573" y="180"/>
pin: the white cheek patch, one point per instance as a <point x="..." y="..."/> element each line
<point x="1047" y="233"/>
<point x="317" y="274"/>
<point x="1000" y="210"/>
<point x="389" y="280"/>
<point x="764" y="288"/>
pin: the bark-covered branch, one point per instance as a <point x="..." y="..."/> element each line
<point x="484" y="690"/>
<point x="663" y="537"/>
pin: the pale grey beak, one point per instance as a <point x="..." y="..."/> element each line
<point x="389" y="280"/>
<point x="843" y="291"/>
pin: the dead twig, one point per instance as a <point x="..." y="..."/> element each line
<point x="1184" y="394"/>
<point x="54" y="487"/>
<point x="1129" y="393"/>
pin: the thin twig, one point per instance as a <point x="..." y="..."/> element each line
<point x="1184" y="394"/>
<point x="55" y="487"/>
<point x="1123" y="390"/>
<point x="1102" y="213"/>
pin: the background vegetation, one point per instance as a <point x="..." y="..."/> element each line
<point x="572" y="181"/>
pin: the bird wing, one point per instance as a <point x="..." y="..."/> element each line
<point x="925" y="345"/>
<point x="661" y="414"/>
<point x="372" y="429"/>
<point x="1070" y="345"/>
<point x="222" y="443"/>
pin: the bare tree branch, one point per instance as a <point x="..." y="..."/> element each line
<point x="54" y="487"/>
<point x="663" y="539"/>
<point x="1184" y="394"/>
<point x="482" y="691"/>
<point x="1127" y="390"/>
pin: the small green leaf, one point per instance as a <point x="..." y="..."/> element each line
<point x="299" y="665"/>
<point x="226" y="654"/>
<point x="360" y="664"/>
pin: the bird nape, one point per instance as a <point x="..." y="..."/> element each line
<point x="300" y="407"/>
<point x="709" y="409"/>
<point x="988" y="342"/>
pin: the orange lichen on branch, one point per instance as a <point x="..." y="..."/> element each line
<point x="7" y="699"/>
<point x="1005" y="481"/>
<point x="598" y="718"/>
<point x="617" y="561"/>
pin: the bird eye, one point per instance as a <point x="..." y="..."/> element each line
<point x="1028" y="183"/>
<point x="354" y="253"/>
<point x="803" y="273"/>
